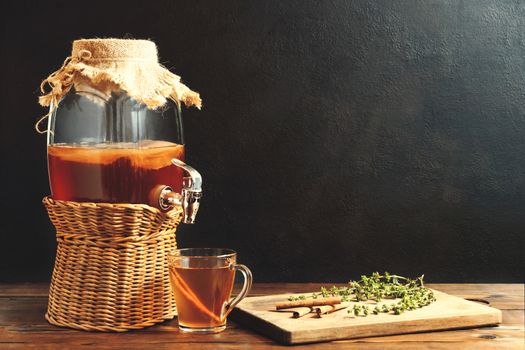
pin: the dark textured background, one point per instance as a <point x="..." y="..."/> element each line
<point x="337" y="138"/>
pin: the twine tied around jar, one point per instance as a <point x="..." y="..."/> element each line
<point x="110" y="65"/>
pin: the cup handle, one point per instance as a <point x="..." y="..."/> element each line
<point x="228" y="307"/>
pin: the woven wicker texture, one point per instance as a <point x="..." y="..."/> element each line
<point x="111" y="271"/>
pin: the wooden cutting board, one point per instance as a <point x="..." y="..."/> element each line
<point x="447" y="312"/>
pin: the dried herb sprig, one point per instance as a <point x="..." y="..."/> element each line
<point x="376" y="287"/>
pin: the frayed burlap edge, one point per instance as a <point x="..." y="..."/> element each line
<point x="117" y="64"/>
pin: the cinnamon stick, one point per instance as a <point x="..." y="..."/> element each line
<point x="324" y="309"/>
<point x="301" y="312"/>
<point x="297" y="312"/>
<point x="308" y="303"/>
<point x="328" y="309"/>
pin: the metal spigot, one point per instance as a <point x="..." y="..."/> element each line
<point x="191" y="194"/>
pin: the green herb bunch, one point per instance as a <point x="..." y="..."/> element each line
<point x="376" y="287"/>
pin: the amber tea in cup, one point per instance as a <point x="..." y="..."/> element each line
<point x="202" y="282"/>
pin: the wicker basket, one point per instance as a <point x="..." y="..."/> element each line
<point x="111" y="271"/>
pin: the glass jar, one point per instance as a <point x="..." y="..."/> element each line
<point x="110" y="148"/>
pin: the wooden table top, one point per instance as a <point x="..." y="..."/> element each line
<point x="22" y="325"/>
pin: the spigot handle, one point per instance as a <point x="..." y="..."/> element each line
<point x="195" y="178"/>
<point x="191" y="191"/>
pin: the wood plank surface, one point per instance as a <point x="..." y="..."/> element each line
<point x="447" y="312"/>
<point x="22" y="325"/>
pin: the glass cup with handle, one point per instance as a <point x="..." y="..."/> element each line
<point x="202" y="282"/>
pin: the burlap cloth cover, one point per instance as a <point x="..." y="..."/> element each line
<point x="116" y="64"/>
<point x="111" y="270"/>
